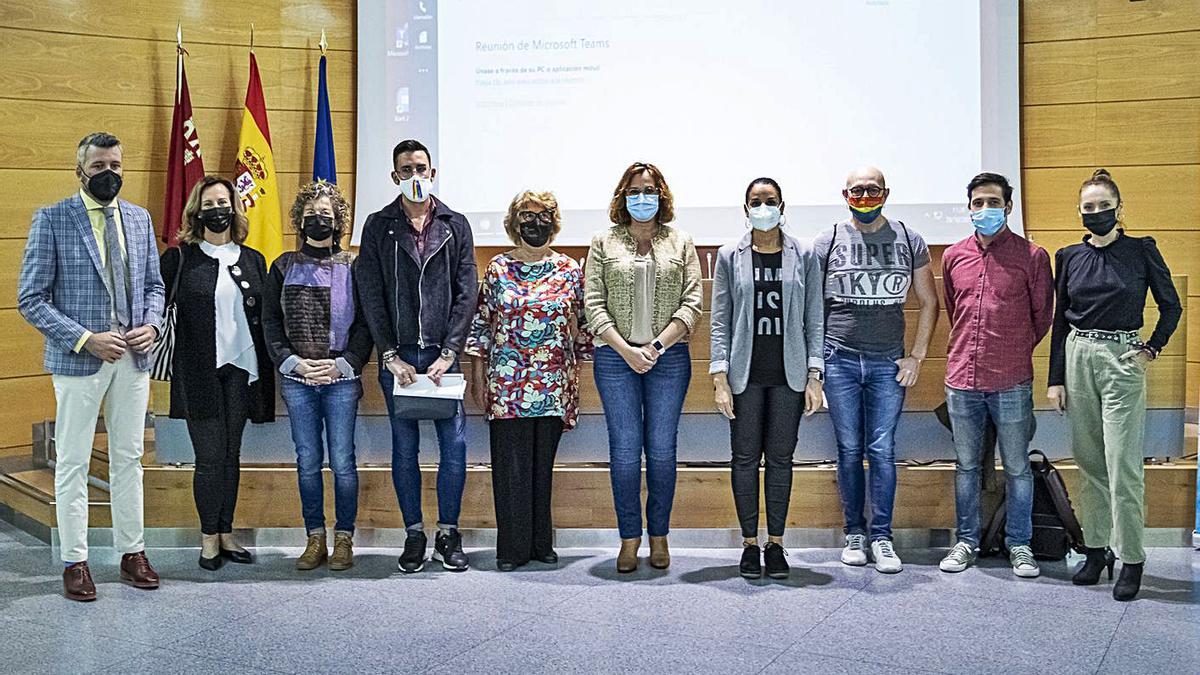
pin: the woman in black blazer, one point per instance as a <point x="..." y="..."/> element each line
<point x="221" y="374"/>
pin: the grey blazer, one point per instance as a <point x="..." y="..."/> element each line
<point x="733" y="313"/>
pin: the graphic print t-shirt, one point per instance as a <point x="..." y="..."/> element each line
<point x="867" y="277"/>
<point x="766" y="360"/>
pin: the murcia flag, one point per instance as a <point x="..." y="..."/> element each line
<point x="185" y="168"/>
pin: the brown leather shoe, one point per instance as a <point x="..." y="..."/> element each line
<point x="660" y="557"/>
<point x="137" y="572"/>
<point x="315" y="553"/>
<point x="343" y="552"/>
<point x="77" y="583"/>
<point x="627" y="559"/>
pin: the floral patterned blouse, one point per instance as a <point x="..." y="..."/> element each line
<point x="529" y="327"/>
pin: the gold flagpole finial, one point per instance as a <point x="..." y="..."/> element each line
<point x="324" y="43"/>
<point x="251" y="36"/>
<point x="179" y="34"/>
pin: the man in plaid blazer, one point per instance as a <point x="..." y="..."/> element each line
<point x="90" y="284"/>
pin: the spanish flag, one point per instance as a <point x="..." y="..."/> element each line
<point x="256" y="181"/>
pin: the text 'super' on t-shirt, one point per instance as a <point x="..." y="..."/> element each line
<point x="867" y="278"/>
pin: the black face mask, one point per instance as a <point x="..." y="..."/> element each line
<point x="104" y="186"/>
<point x="216" y="219"/>
<point x="317" y="227"/>
<point x="536" y="234"/>
<point x="1100" y="223"/>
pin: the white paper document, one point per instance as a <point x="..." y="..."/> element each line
<point x="453" y="386"/>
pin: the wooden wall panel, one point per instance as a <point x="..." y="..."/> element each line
<point x="43" y="135"/>
<point x="1137" y="68"/>
<point x="1112" y="134"/>
<point x="217" y="74"/>
<point x="286" y="23"/>
<point x="1054" y="20"/>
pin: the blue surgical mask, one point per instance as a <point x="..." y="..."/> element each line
<point x="988" y="221"/>
<point x="765" y="217"/>
<point x="642" y="208"/>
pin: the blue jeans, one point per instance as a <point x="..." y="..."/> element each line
<point x="1011" y="411"/>
<point x="642" y="413"/>
<point x="865" y="402"/>
<point x="332" y="409"/>
<point x="406" y="443"/>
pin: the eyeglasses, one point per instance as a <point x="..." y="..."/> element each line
<point x="633" y="192"/>
<point x="547" y="217"/>
<point x="859" y="191"/>
<point x="406" y="172"/>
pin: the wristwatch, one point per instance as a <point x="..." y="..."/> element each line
<point x="814" y="374"/>
<point x="449" y="354"/>
<point x="658" y="346"/>
<point x="388" y="356"/>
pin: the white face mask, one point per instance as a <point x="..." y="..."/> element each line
<point x="764" y="217"/>
<point x="416" y="188"/>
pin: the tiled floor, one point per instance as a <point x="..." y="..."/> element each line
<point x="580" y="616"/>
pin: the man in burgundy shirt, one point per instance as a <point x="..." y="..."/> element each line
<point x="1000" y="298"/>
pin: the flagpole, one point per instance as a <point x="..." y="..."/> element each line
<point x="179" y="52"/>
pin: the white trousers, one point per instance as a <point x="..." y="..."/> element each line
<point x="125" y="392"/>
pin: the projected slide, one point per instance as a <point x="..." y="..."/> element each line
<point x="564" y="94"/>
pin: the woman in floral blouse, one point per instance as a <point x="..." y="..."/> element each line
<point x="526" y="341"/>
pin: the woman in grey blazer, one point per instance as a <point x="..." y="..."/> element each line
<point x="767" y="367"/>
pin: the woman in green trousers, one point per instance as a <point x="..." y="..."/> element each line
<point x="1098" y="365"/>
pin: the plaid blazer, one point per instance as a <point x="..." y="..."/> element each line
<point x="62" y="293"/>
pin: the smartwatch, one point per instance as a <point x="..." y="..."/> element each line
<point x="658" y="346"/>
<point x="814" y="374"/>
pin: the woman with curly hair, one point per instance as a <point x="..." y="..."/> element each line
<point x="526" y="342"/>
<point x="319" y="341"/>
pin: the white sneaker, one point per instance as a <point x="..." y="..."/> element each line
<point x="855" y="552"/>
<point x="1023" y="563"/>
<point x="886" y="560"/>
<point x="960" y="558"/>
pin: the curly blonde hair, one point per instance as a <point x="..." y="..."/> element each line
<point x="546" y="200"/>
<point x="666" y="203"/>
<point x="192" y="230"/>
<point x="314" y="191"/>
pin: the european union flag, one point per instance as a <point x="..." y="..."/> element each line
<point x="324" y="164"/>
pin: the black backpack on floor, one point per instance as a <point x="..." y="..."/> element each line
<point x="1056" y="530"/>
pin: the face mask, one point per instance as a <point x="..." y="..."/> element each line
<point x="865" y="209"/>
<point x="642" y="208"/>
<point x="216" y="219"/>
<point x="416" y="189"/>
<point x="317" y="227"/>
<point x="988" y="221"/>
<point x="536" y="234"/>
<point x="764" y="217"/>
<point x="104" y="186"/>
<point x="1101" y="222"/>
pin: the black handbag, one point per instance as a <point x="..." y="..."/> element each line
<point x="424" y="408"/>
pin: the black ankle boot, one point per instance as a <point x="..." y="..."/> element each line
<point x="1097" y="560"/>
<point x="1129" y="582"/>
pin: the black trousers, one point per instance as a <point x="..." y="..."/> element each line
<point x="523" y="451"/>
<point x="218" y="445"/>
<point x="766" y="422"/>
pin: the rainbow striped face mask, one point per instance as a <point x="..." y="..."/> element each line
<point x="416" y="188"/>
<point x="865" y="209"/>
